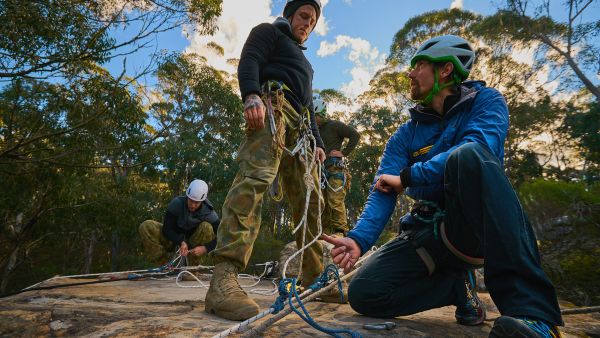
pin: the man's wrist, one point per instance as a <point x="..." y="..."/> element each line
<point x="252" y="101"/>
<point x="405" y="179"/>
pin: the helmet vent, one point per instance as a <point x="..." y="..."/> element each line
<point x="463" y="46"/>
<point x="429" y="45"/>
<point x="464" y="59"/>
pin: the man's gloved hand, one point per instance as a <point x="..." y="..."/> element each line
<point x="254" y="112"/>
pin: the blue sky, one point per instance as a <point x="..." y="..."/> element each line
<point x="350" y="43"/>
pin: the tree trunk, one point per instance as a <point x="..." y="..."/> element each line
<point x="114" y="251"/>
<point x="89" y="254"/>
<point x="9" y="267"/>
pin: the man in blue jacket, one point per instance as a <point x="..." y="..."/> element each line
<point x="449" y="157"/>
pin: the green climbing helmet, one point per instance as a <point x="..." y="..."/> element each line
<point x="320" y="106"/>
<point x="446" y="48"/>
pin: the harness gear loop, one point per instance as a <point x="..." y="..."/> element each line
<point x="336" y="162"/>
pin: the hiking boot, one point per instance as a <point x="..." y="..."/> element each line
<point x="523" y="328"/>
<point x="473" y="311"/>
<point x="333" y="295"/>
<point x="225" y="298"/>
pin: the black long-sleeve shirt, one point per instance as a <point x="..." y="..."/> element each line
<point x="271" y="53"/>
<point x="179" y="223"/>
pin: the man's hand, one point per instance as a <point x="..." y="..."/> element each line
<point x="345" y="251"/>
<point x="254" y="112"/>
<point x="386" y="183"/>
<point x="336" y="153"/>
<point x="183" y="249"/>
<point x="320" y="155"/>
<point x="198" y="251"/>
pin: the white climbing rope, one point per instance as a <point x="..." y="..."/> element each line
<point x="255" y="282"/>
<point x="309" y="162"/>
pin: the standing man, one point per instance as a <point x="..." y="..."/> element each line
<point x="272" y="65"/>
<point x="190" y="224"/>
<point x="449" y="156"/>
<point x="333" y="134"/>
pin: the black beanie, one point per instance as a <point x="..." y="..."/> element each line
<point x="292" y="6"/>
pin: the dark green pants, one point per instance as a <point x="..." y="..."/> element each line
<point x="483" y="219"/>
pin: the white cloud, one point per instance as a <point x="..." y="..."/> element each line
<point x="366" y="60"/>
<point x="458" y="4"/>
<point x="235" y="23"/>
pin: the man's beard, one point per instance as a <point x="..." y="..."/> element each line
<point x="415" y="92"/>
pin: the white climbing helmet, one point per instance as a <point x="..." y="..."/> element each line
<point x="197" y="190"/>
<point x="319" y="105"/>
<point x="447" y="48"/>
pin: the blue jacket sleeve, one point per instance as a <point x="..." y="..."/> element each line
<point x="487" y="125"/>
<point x="379" y="205"/>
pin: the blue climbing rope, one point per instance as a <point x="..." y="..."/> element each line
<point x="288" y="290"/>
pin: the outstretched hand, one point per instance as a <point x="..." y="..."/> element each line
<point x="345" y="251"/>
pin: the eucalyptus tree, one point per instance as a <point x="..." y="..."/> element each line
<point x="570" y="45"/>
<point x="47" y="38"/>
<point x="201" y="114"/>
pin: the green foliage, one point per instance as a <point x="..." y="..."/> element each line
<point x="585" y="128"/>
<point x="201" y="112"/>
<point x="531" y="24"/>
<point x="547" y="200"/>
<point x="566" y="217"/>
<point x="66" y="37"/>
<point x="427" y="25"/>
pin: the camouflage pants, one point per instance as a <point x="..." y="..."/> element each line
<point x="334" y="215"/>
<point x="260" y="159"/>
<point x="158" y="249"/>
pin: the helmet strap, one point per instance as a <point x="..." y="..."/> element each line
<point x="436" y="87"/>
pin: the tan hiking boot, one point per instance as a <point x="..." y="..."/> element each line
<point x="226" y="298"/>
<point x="333" y="295"/>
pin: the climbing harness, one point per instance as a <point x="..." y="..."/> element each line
<point x="326" y="174"/>
<point x="428" y="213"/>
